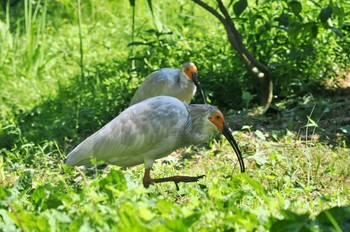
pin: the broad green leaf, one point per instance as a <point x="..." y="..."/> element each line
<point x="247" y="96"/>
<point x="85" y="227"/>
<point x="38" y="195"/>
<point x="165" y="208"/>
<point x="311" y="123"/>
<point x="288" y="226"/>
<point x="260" y="159"/>
<point x="113" y="183"/>
<point x="188" y="221"/>
<point x="325" y="14"/>
<point x="53" y="201"/>
<point x="260" y="135"/>
<point x="239" y="7"/>
<point x="345" y="129"/>
<point x="47" y="197"/>
<point x="296" y="7"/>
<point x="337" y="31"/>
<point x="4" y="193"/>
<point x="291" y="216"/>
<point x="132" y="2"/>
<point x="149" y="2"/>
<point x="284" y="19"/>
<point x="246" y="127"/>
<point x="327" y="110"/>
<point x="24" y="182"/>
<point x="30" y="220"/>
<point x="157" y="22"/>
<point x="337" y="217"/>
<point x="255" y="184"/>
<point x="61" y="216"/>
<point x="175" y="225"/>
<point x="146" y="214"/>
<point x="7" y="223"/>
<point x="314" y="31"/>
<point x="292" y="222"/>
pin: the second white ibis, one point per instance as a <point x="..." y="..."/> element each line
<point x="180" y="83"/>
<point x="151" y="130"/>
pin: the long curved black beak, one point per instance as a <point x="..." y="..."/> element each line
<point x="196" y="83"/>
<point x="227" y="133"/>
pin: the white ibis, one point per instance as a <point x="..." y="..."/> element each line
<point x="180" y="83"/>
<point x="151" y="130"/>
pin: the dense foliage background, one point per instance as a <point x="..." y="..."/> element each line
<point x="68" y="67"/>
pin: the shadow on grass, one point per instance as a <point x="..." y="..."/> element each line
<point x="322" y="117"/>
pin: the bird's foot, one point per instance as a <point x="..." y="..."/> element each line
<point x="175" y="179"/>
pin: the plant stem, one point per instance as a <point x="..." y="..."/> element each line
<point x="133" y="37"/>
<point x="80" y="41"/>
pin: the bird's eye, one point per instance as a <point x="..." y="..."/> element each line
<point x="217" y="117"/>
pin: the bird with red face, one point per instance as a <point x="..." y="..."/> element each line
<point x="150" y="130"/>
<point x="179" y="83"/>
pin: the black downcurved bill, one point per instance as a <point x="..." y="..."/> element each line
<point x="196" y="83"/>
<point x="227" y="133"/>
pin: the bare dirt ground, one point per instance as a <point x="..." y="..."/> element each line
<point x="324" y="116"/>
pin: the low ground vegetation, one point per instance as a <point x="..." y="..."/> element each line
<point x="297" y="155"/>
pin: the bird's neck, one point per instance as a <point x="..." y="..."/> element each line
<point x="184" y="82"/>
<point x="198" y="129"/>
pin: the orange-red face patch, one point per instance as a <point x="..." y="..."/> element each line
<point x="190" y="69"/>
<point x="217" y="119"/>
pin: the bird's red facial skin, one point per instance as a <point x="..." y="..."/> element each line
<point x="189" y="70"/>
<point x="217" y="119"/>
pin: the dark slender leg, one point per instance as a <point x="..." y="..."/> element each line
<point x="147" y="180"/>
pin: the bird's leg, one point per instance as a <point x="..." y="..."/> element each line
<point x="147" y="180"/>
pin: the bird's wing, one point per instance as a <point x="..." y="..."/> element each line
<point x="137" y="133"/>
<point x="157" y="83"/>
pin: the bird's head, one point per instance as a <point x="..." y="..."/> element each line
<point x="190" y="70"/>
<point x="217" y="119"/>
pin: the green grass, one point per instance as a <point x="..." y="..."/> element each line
<point x="273" y="187"/>
<point x="63" y="78"/>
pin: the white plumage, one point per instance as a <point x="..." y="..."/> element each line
<point x="151" y="130"/>
<point x="179" y="83"/>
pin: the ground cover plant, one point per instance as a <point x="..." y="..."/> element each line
<point x="69" y="67"/>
